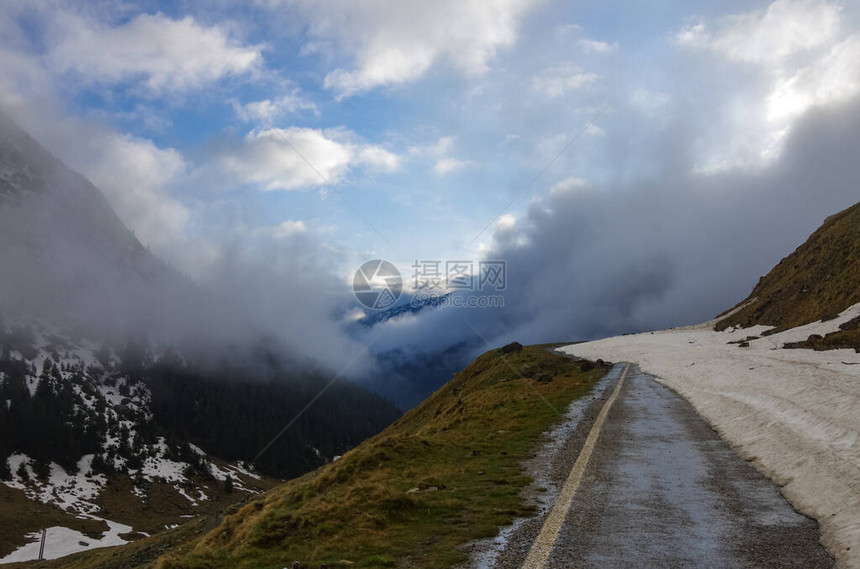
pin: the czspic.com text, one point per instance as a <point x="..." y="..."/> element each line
<point x="458" y="301"/>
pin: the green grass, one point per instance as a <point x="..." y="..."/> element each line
<point x="470" y="439"/>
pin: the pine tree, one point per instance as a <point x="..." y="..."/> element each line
<point x="22" y="471"/>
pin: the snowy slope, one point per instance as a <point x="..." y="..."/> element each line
<point x="794" y="413"/>
<point x="61" y="541"/>
<point x="45" y="365"/>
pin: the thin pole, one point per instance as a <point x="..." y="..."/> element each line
<point x="42" y="547"/>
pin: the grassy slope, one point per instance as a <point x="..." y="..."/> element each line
<point x="164" y="506"/>
<point x="818" y="281"/>
<point x="469" y="439"/>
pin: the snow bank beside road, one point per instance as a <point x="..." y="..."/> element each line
<point x="794" y="413"/>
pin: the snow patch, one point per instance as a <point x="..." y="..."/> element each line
<point x="61" y="541"/>
<point x="159" y="466"/>
<point x="74" y="493"/>
<point x="185" y="495"/>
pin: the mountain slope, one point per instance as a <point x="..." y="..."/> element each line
<point x="59" y="232"/>
<point x="817" y="281"/>
<point x="127" y="392"/>
<point x="449" y="471"/>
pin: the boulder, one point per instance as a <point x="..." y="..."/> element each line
<point x="511" y="348"/>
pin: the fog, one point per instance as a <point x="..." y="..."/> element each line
<point x="70" y="264"/>
<point x="675" y="249"/>
<point x="586" y="261"/>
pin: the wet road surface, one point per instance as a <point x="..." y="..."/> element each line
<point x="661" y="489"/>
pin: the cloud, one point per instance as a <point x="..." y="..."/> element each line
<point x="785" y="28"/>
<point x="139" y="179"/>
<point x="165" y="55"/>
<point x="446" y="166"/>
<point x="287" y="229"/>
<point x="569" y="186"/>
<point x="277" y="282"/>
<point x="393" y="45"/>
<point x="441" y="147"/>
<point x="133" y="173"/>
<point x="594" y="46"/>
<point x="649" y="101"/>
<point x="560" y="79"/>
<point x="506" y="222"/>
<point x="592" y="261"/>
<point x="594" y="130"/>
<point x="440" y="151"/>
<point x="294" y="158"/>
<point x="273" y="109"/>
<point x="796" y="55"/>
<point x="832" y="79"/>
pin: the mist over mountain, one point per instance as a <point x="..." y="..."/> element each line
<point x="701" y="242"/>
<point x="87" y="310"/>
<point x="693" y="263"/>
<point x="668" y="163"/>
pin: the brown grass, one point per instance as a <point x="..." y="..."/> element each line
<point x="847" y="337"/>
<point x="460" y="453"/>
<point x="818" y="281"/>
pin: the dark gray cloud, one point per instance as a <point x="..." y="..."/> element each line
<point x="674" y="249"/>
<point x="677" y="248"/>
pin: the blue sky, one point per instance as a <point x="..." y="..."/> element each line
<point x="428" y="117"/>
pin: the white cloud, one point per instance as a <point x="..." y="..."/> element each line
<point x="137" y="177"/>
<point x="803" y="59"/>
<point x="594" y="130"/>
<point x="440" y="148"/>
<point x="167" y="55"/>
<point x="570" y="185"/>
<point x="272" y="109"/>
<point x="439" y="151"/>
<point x="594" y="46"/>
<point x="506" y="222"/>
<point x="785" y="28"/>
<point x="558" y="80"/>
<point x="445" y="166"/>
<point x="267" y="157"/>
<point x="565" y="29"/>
<point x="649" y="101"/>
<point x="393" y="44"/>
<point x="133" y="173"/>
<point x="832" y="79"/>
<point x="694" y="35"/>
<point x="287" y="229"/>
<point x="374" y="155"/>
